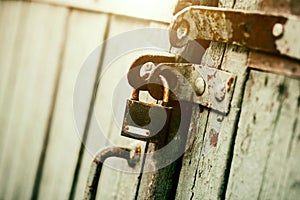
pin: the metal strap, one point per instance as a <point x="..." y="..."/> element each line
<point x="255" y="30"/>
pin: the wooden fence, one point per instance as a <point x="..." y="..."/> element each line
<point x="43" y="47"/>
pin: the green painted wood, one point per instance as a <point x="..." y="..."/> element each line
<point x="212" y="58"/>
<point x="262" y="165"/>
<point x="212" y="174"/>
<point x="213" y="160"/>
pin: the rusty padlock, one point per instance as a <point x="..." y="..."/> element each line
<point x="145" y="121"/>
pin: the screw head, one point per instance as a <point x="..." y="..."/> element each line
<point x="220" y="94"/>
<point x="220" y="118"/>
<point x="278" y="30"/>
<point x="182" y="30"/>
<point x="146" y="68"/>
<point x="199" y="86"/>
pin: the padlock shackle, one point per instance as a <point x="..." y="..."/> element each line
<point x="135" y="94"/>
<point x="166" y="91"/>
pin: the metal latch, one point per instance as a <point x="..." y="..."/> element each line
<point x="209" y="87"/>
<point x="271" y="33"/>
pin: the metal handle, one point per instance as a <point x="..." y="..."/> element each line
<point x="131" y="155"/>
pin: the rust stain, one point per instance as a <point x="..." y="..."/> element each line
<point x="229" y="84"/>
<point x="276" y="64"/>
<point x="213" y="135"/>
<point x="225" y="26"/>
<point x="211" y="76"/>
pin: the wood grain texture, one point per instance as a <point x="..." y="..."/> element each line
<point x="37" y="52"/>
<point x="84" y="32"/>
<point x="10" y="22"/>
<point x="266" y="135"/>
<point x="214" y="168"/>
<point x="281" y="6"/>
<point x="147" y="10"/>
<point x="185" y="190"/>
<point x="213" y="153"/>
<point x="109" y="109"/>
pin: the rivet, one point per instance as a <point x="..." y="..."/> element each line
<point x="220" y="118"/>
<point x="277" y="30"/>
<point x="146" y="68"/>
<point x="125" y="129"/>
<point x="182" y="31"/>
<point x="220" y="94"/>
<point x="199" y="86"/>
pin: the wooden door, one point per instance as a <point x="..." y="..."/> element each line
<point x="251" y="153"/>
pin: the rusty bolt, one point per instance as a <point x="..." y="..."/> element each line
<point x="277" y="30"/>
<point x="199" y="86"/>
<point x="146" y="68"/>
<point x="125" y="128"/>
<point x="182" y="31"/>
<point x="220" y="118"/>
<point x="220" y="94"/>
<point x="148" y="133"/>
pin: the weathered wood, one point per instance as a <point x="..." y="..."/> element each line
<point x="213" y="153"/>
<point x="113" y="183"/>
<point x="281" y="6"/>
<point x="191" y="156"/>
<point x="194" y="162"/>
<point x="274" y="64"/>
<point x="162" y="183"/>
<point x="10" y="14"/>
<point x="214" y="164"/>
<point x="134" y="8"/>
<point x="265" y="138"/>
<point x="36" y="63"/>
<point x="262" y="166"/>
<point x="83" y="32"/>
<point x="212" y="58"/>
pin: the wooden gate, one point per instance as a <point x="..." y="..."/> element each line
<point x="251" y="153"/>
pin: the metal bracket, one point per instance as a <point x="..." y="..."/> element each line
<point x="255" y="30"/>
<point x="209" y="87"/>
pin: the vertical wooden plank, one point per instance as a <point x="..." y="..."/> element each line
<point x="113" y="184"/>
<point x="212" y="178"/>
<point x="265" y="138"/>
<point x="9" y="26"/>
<point x="262" y="152"/>
<point x="125" y="184"/>
<point x="282" y="174"/>
<point x="212" y="58"/>
<point x="204" y="166"/>
<point x="84" y="32"/>
<point x="289" y="180"/>
<point x="37" y="63"/>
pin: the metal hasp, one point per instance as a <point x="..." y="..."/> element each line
<point x="131" y="155"/>
<point x="209" y="87"/>
<point x="251" y="29"/>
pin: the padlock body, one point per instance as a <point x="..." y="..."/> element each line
<point x="147" y="122"/>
